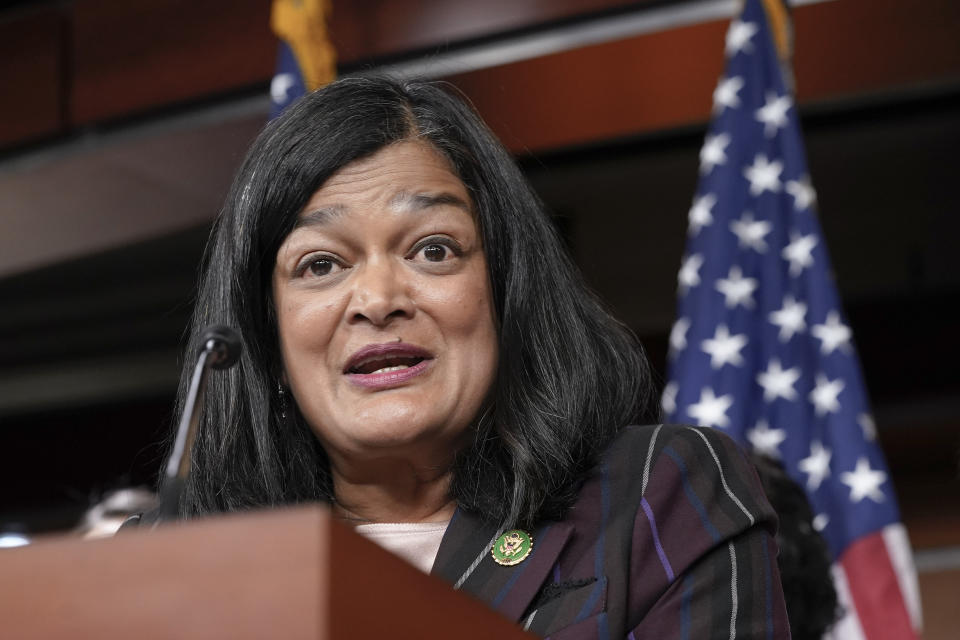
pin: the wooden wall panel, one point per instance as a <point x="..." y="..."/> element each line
<point x="364" y="29"/>
<point x="30" y="75"/>
<point x="132" y="56"/>
<point x="599" y="92"/>
<point x="665" y="80"/>
<point x="849" y="47"/>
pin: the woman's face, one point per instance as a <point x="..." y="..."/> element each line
<point x="384" y="309"/>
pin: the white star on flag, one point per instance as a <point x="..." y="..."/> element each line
<point x="669" y="399"/>
<point x="724" y="348"/>
<point x="725" y="95"/>
<point x="773" y="114"/>
<point x="820" y="521"/>
<point x="750" y="232"/>
<point x="678" y="335"/>
<point x="738" y="37"/>
<point x="816" y="465"/>
<point x="778" y="383"/>
<point x="280" y="85"/>
<point x="711" y="411"/>
<point x="867" y="426"/>
<point x="763" y="175"/>
<point x="824" y="395"/>
<point x="799" y="252"/>
<point x="712" y="152"/>
<point x="864" y="482"/>
<point x="832" y="334"/>
<point x="803" y="193"/>
<point x="700" y="215"/>
<point x="689" y="275"/>
<point x="765" y="440"/>
<point x="736" y="289"/>
<point x="790" y="318"/>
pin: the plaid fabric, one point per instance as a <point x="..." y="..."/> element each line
<point x="670" y="537"/>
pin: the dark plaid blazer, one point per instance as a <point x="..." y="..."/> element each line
<point x="671" y="537"/>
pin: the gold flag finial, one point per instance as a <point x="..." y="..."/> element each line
<point x="778" y="16"/>
<point x="302" y="24"/>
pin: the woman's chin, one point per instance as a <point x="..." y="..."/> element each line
<point x="391" y="437"/>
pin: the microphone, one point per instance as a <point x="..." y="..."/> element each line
<point x="221" y="350"/>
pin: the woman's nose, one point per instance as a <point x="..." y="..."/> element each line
<point x="380" y="293"/>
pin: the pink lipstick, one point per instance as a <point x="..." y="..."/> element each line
<point x="387" y="365"/>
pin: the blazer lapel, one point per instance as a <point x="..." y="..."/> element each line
<point x="465" y="561"/>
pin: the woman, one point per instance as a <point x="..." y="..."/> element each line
<point x="422" y="355"/>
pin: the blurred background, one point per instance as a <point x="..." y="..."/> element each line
<point x="121" y="124"/>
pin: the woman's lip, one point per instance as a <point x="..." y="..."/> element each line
<point x="389" y="378"/>
<point x="385" y="350"/>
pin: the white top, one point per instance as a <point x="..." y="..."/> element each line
<point x="415" y="542"/>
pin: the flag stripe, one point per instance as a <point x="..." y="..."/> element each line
<point x="874" y="589"/>
<point x="848" y="626"/>
<point x="901" y="555"/>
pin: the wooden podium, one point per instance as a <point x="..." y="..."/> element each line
<point x="293" y="573"/>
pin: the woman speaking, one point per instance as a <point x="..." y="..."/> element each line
<point x="421" y="354"/>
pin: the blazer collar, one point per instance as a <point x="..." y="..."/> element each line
<point x="465" y="561"/>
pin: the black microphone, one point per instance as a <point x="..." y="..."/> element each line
<point x="221" y="350"/>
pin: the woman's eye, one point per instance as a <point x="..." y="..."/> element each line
<point x="321" y="267"/>
<point x="435" y="252"/>
<point x="436" y="249"/>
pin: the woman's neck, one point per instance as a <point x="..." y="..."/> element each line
<point x="394" y="492"/>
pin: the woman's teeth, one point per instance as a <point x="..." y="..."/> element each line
<point x="399" y="367"/>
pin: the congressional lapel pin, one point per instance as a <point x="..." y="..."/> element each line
<point x="512" y="547"/>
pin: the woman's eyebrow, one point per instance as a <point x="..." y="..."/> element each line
<point x="417" y="201"/>
<point x="319" y="216"/>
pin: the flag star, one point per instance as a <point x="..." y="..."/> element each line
<point x="725" y="95"/>
<point x="864" y="482"/>
<point x="824" y="395"/>
<point x="750" y="232"/>
<point x="799" y="253"/>
<point x="678" y="335"/>
<point x="713" y="153"/>
<point x="763" y="175"/>
<point x="766" y="440"/>
<point x="832" y="334"/>
<point x="669" y="399"/>
<point x="790" y="318"/>
<point x="700" y="215"/>
<point x="724" y="348"/>
<point x="689" y="275"/>
<point x="279" y="86"/>
<point x="773" y="114"/>
<point x="738" y="37"/>
<point x="816" y="465"/>
<point x="737" y="289"/>
<point x="803" y="193"/>
<point x="711" y="411"/>
<point x="868" y="426"/>
<point x="778" y="383"/>
<point x="820" y="521"/>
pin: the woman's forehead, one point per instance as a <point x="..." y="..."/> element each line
<point x="403" y="175"/>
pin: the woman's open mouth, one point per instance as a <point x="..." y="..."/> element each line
<point x="387" y="364"/>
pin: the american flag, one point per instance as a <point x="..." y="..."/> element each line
<point x="760" y="347"/>
<point x="306" y="59"/>
<point x="287" y="82"/>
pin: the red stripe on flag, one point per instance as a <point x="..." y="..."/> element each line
<point x="875" y="590"/>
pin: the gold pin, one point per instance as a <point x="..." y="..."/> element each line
<point x="512" y="547"/>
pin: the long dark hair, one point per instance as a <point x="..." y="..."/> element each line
<point x="569" y="377"/>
